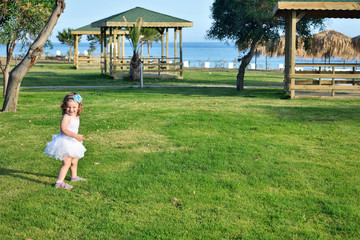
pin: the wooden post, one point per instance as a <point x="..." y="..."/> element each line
<point x="117" y="55"/>
<point x="333" y="82"/>
<point x="287" y="56"/>
<point x="292" y="49"/>
<point x="159" y="66"/>
<point x="105" y="52"/>
<point x="76" y="52"/>
<point x="353" y="80"/>
<point x="111" y="50"/>
<point x="114" y="46"/>
<point x="167" y="45"/>
<point x="118" y="46"/>
<point x="122" y="51"/>
<point x="175" y="45"/>
<point x="102" y="50"/>
<point x="162" y="51"/>
<point x="181" y="53"/>
<point x="162" y="46"/>
<point x="123" y="46"/>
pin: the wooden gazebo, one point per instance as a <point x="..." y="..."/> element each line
<point x="332" y="79"/>
<point x="90" y="61"/>
<point x="114" y="63"/>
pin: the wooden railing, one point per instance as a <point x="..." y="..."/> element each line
<point x="333" y="76"/>
<point x="155" y="65"/>
<point x="88" y="62"/>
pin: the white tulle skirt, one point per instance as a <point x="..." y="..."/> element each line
<point x="62" y="146"/>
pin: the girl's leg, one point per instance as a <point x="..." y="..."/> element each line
<point x="73" y="168"/>
<point x="64" y="169"/>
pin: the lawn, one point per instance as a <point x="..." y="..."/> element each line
<point x="50" y="74"/>
<point x="183" y="163"/>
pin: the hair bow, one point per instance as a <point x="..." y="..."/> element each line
<point x="77" y="98"/>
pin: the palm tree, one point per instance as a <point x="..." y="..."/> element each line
<point x="66" y="38"/>
<point x="134" y="38"/>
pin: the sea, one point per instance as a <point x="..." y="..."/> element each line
<point x="196" y="54"/>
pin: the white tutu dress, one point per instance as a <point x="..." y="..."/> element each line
<point x="62" y="146"/>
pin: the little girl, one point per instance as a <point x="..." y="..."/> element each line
<point x="67" y="146"/>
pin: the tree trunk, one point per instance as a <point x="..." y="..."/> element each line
<point x="34" y="52"/>
<point x="70" y="53"/>
<point x="245" y="61"/>
<point x="6" y="80"/>
<point x="135" y="68"/>
<point x="5" y="72"/>
<point x="241" y="73"/>
<point x="148" y="45"/>
<point x="9" y="52"/>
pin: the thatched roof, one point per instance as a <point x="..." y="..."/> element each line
<point x="332" y="43"/>
<point x="324" y="44"/>
<point x="356" y="43"/>
<point x="276" y="47"/>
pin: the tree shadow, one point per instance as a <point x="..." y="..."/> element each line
<point x="69" y="79"/>
<point x="46" y="78"/>
<point x="262" y="93"/>
<point x="316" y="114"/>
<point x="22" y="175"/>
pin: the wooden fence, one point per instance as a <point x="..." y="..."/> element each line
<point x="317" y="76"/>
<point x="88" y="62"/>
<point x="152" y="65"/>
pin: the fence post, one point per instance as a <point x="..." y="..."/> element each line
<point x="141" y="75"/>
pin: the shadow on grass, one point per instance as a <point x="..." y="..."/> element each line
<point x="56" y="66"/>
<point x="263" y="93"/>
<point x="68" y="77"/>
<point x="22" y="175"/>
<point x="317" y="113"/>
<point x="73" y="79"/>
<point x="217" y="79"/>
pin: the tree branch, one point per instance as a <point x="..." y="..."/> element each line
<point x="36" y="49"/>
<point x="1" y="67"/>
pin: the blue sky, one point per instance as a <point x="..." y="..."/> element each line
<point x="79" y="13"/>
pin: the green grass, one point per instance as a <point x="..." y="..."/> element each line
<point x="184" y="163"/>
<point x="50" y="74"/>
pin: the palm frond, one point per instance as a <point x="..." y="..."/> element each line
<point x="134" y="33"/>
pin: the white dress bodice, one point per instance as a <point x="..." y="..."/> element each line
<point x="73" y="125"/>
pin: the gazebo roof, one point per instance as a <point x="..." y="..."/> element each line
<point x="319" y="9"/>
<point x="150" y="18"/>
<point x="88" y="29"/>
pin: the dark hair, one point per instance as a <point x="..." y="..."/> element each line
<point x="68" y="97"/>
